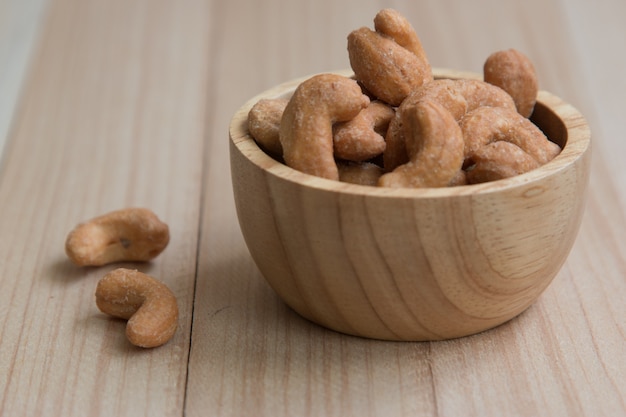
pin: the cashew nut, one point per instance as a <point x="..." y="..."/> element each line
<point x="390" y="61"/>
<point x="456" y="96"/>
<point x="148" y="305"/>
<point x="462" y="95"/>
<point x="393" y="24"/>
<point x="362" y="173"/>
<point x="491" y="124"/>
<point x="264" y="123"/>
<point x="434" y="143"/>
<point x="498" y="160"/>
<point x="514" y="73"/>
<point x="306" y="133"/>
<point x="132" y="234"/>
<point x="362" y="138"/>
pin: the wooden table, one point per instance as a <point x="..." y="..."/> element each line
<point x="122" y="103"/>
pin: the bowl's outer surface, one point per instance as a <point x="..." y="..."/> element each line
<point x="411" y="264"/>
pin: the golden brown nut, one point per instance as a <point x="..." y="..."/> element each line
<point x="390" y="62"/>
<point x="362" y="173"/>
<point x="148" y="305"/>
<point x="498" y="160"/>
<point x="434" y="143"/>
<point x="391" y="23"/>
<point x="456" y="96"/>
<point x="362" y="138"/>
<point x="460" y="178"/>
<point x="264" y="124"/>
<point x="514" y="72"/>
<point x="491" y="124"/>
<point x="306" y="127"/>
<point x="131" y="234"/>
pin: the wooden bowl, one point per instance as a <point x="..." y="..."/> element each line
<point x="411" y="264"/>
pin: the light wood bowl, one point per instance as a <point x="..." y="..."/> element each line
<point x="411" y="264"/>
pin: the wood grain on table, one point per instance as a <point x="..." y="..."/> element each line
<point x="127" y="103"/>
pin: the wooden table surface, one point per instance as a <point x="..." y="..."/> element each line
<point x="109" y="104"/>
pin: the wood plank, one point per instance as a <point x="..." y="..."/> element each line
<point x="112" y="116"/>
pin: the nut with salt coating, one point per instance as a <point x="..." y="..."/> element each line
<point x="434" y="143"/>
<point x="498" y="160"/>
<point x="389" y="61"/>
<point x="149" y="306"/>
<point x="264" y="124"/>
<point x="456" y="96"/>
<point x="362" y="138"/>
<point x="515" y="73"/>
<point x="131" y="234"/>
<point x="491" y="124"/>
<point x="306" y="128"/>
<point x="361" y="173"/>
<point x="394" y="25"/>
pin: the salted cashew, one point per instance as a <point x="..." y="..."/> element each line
<point x="434" y="143"/>
<point x="149" y="306"/>
<point x="498" y="160"/>
<point x="514" y="72"/>
<point x="391" y="23"/>
<point x="460" y="178"/>
<point x="456" y="96"/>
<point x="131" y="234"/>
<point x="264" y="123"/>
<point x="491" y="124"/>
<point x="460" y="96"/>
<point x="306" y="133"/>
<point x="390" y="61"/>
<point x="362" y="173"/>
<point x="363" y="137"/>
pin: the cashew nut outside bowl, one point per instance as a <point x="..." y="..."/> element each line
<point x="412" y="264"/>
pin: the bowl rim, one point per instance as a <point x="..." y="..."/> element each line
<point x="577" y="144"/>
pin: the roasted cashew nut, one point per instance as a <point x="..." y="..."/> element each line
<point x="457" y="96"/>
<point x="434" y="143"/>
<point x="132" y="234"/>
<point x="392" y="63"/>
<point x="148" y="305"/>
<point x="514" y="73"/>
<point x="361" y="173"/>
<point x="491" y="124"/>
<point x="264" y="124"/>
<point x="498" y="160"/>
<point x="306" y="128"/>
<point x="363" y="137"/>
<point x="393" y="24"/>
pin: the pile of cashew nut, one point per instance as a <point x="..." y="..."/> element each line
<point x="394" y="125"/>
<point x="137" y="235"/>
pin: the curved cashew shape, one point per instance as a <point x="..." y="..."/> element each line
<point x="132" y="234"/>
<point x="362" y="138"/>
<point x="264" y="123"/>
<point x="491" y="124"/>
<point x="391" y="63"/>
<point x="456" y="96"/>
<point x="306" y="133"/>
<point x="391" y="23"/>
<point x="462" y="96"/>
<point x="515" y="73"/>
<point x="434" y="145"/>
<point x="498" y="160"/>
<point x="148" y="305"/>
